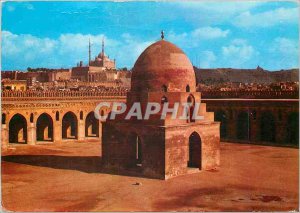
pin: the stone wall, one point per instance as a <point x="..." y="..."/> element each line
<point x="260" y="121"/>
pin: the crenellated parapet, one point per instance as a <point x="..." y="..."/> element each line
<point x="60" y="95"/>
<point x="211" y="94"/>
<point x="113" y="94"/>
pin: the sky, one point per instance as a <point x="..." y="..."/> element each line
<point x="212" y="34"/>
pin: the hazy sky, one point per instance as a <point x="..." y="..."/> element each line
<point x="212" y="34"/>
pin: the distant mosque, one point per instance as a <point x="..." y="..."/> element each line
<point x="101" y="60"/>
<point x="102" y="68"/>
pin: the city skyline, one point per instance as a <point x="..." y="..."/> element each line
<point x="236" y="38"/>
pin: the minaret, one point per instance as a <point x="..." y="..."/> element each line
<point x="103" y="47"/>
<point x="89" y="51"/>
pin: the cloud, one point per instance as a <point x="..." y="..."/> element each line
<point x="285" y="53"/>
<point x="20" y="44"/>
<point x="25" y="50"/>
<point x="193" y="39"/>
<point x="130" y="49"/>
<point x="268" y="18"/>
<point x="285" y="46"/>
<point x="214" y="12"/>
<point x="207" y="59"/>
<point x="209" y="33"/>
<point x="221" y="7"/>
<point x="238" y="53"/>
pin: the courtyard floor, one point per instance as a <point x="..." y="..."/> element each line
<point x="67" y="177"/>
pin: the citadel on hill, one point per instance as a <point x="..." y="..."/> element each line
<point x="100" y="72"/>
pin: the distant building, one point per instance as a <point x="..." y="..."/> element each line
<point x="102" y="68"/>
<point x="15" y="85"/>
<point x="102" y="60"/>
<point x="39" y="74"/>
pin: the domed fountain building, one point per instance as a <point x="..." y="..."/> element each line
<point x="156" y="147"/>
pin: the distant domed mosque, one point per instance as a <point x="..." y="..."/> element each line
<point x="162" y="148"/>
<point x="102" y="60"/>
<point x="101" y="69"/>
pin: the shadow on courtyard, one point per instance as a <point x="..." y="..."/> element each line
<point x="87" y="164"/>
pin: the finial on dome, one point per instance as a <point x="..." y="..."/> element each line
<point x="162" y="35"/>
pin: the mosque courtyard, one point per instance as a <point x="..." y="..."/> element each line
<point x="68" y="177"/>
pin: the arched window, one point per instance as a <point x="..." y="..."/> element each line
<point x="57" y="115"/>
<point x="164" y="99"/>
<point x="102" y="113"/>
<point x="194" y="154"/>
<point x="3" y="118"/>
<point x="164" y="88"/>
<point x="191" y="107"/>
<point x="31" y="118"/>
<point x="190" y="99"/>
<point x="81" y="115"/>
<point x="187" y="89"/>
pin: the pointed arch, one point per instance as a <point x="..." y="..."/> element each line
<point x="44" y="128"/>
<point x="18" y="129"/>
<point x="164" y="88"/>
<point x="57" y="116"/>
<point x="91" y="125"/>
<point x="187" y="88"/>
<point x="3" y="118"/>
<point x="194" y="151"/>
<point x="31" y="117"/>
<point x="69" y="126"/>
<point x="191" y="107"/>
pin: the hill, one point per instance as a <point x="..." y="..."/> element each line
<point x="220" y="75"/>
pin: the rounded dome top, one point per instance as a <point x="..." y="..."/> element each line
<point x="163" y="67"/>
<point x="100" y="55"/>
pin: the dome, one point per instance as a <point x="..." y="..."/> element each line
<point x="163" y="65"/>
<point x="100" y="55"/>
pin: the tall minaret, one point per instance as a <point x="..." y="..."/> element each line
<point x="89" y="51"/>
<point x="103" y="47"/>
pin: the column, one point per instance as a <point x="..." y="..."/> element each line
<point x="100" y="136"/>
<point x="81" y="130"/>
<point x="57" y="131"/>
<point x="4" y="136"/>
<point x="100" y="130"/>
<point x="31" y="137"/>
